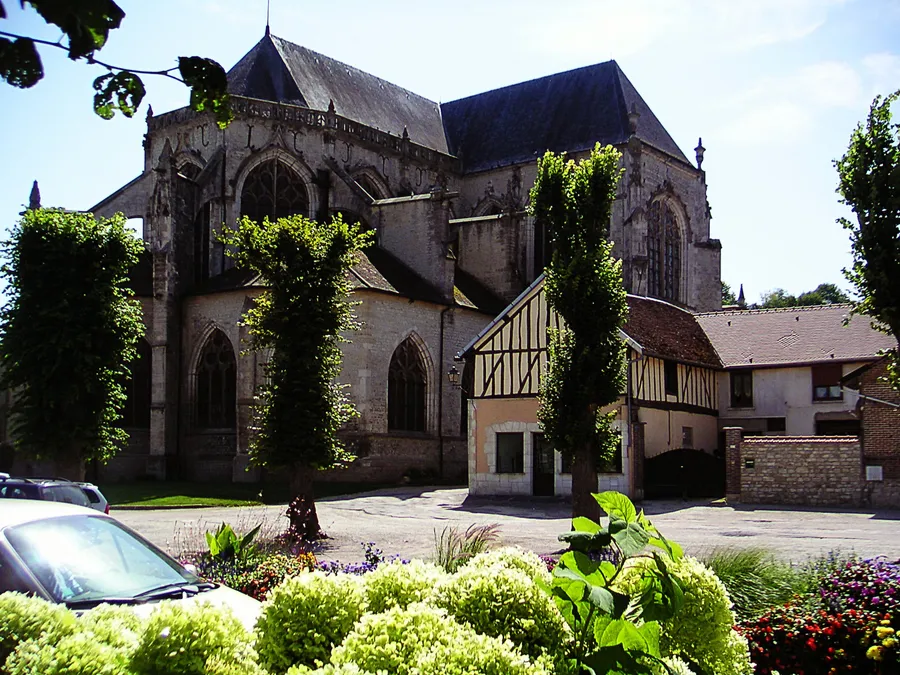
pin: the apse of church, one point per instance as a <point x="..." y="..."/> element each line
<point x="444" y="186"/>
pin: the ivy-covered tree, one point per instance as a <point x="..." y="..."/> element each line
<point x="85" y="26"/>
<point x="823" y="294"/>
<point x="300" y="317"/>
<point x="586" y="369"/>
<point x="870" y="185"/>
<point x="68" y="333"/>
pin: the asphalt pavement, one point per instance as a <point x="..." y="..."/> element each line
<point x="405" y="521"/>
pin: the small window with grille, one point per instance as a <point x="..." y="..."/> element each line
<point x="510" y="453"/>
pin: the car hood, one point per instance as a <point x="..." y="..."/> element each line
<point x="245" y="608"/>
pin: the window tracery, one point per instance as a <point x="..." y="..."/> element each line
<point x="273" y="190"/>
<point x="216" y="393"/>
<point x="663" y="252"/>
<point x="406" y="388"/>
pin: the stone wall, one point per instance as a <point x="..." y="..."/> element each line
<point x="809" y="470"/>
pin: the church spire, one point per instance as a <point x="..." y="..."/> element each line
<point x="268" y="7"/>
<point x="34" y="199"/>
<point x="742" y="301"/>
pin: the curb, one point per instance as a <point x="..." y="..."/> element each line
<point x="141" y="507"/>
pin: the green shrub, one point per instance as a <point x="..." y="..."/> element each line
<point x="515" y="558"/>
<point x="503" y="602"/>
<point x="24" y="618"/>
<point x="399" y="585"/>
<point x="305" y="618"/>
<point x="702" y="631"/>
<point x="328" y="669"/>
<point x="180" y="639"/>
<point x="754" y="579"/>
<point x="423" y="640"/>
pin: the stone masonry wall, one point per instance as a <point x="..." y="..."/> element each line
<point x="812" y="470"/>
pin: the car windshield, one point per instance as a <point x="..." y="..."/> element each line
<point x="79" y="559"/>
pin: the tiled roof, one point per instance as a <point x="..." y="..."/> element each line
<point x="469" y="292"/>
<point x="568" y="111"/>
<point x="666" y="331"/>
<point x="378" y="270"/>
<point x="769" y="337"/>
<point x="281" y="71"/>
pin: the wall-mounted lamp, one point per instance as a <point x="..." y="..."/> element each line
<point x="453" y="376"/>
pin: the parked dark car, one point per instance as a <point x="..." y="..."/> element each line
<point x="53" y="490"/>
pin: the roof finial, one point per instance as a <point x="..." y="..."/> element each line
<point x="34" y="199"/>
<point x="699" y="150"/>
<point x="268" y="6"/>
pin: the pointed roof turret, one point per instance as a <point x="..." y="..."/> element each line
<point x="34" y="199"/>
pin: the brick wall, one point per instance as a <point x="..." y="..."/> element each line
<point x="880" y="421"/>
<point x="810" y="470"/>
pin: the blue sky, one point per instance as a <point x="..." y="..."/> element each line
<point x="774" y="87"/>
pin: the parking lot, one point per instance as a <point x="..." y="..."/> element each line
<point x="404" y="521"/>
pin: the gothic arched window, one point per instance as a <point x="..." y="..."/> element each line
<point x="663" y="252"/>
<point x="406" y="389"/>
<point x="216" y="384"/>
<point x="273" y="190"/>
<point x="136" y="413"/>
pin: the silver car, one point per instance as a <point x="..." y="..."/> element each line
<point x="81" y="558"/>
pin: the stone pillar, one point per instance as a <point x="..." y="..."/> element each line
<point x="733" y="464"/>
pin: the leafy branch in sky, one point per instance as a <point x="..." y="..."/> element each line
<point x="85" y="26"/>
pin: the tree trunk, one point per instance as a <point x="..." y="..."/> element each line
<point x="302" y="509"/>
<point x="584" y="484"/>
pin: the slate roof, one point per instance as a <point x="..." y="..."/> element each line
<point x="792" y="335"/>
<point x="669" y="332"/>
<point x="281" y="71"/>
<point x="568" y="111"/>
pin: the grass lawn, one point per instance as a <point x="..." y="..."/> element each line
<point x="182" y="493"/>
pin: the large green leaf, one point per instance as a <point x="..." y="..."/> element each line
<point x="631" y="539"/>
<point x="625" y="633"/>
<point x="617" y="505"/>
<point x="20" y="64"/>
<point x="582" y="524"/>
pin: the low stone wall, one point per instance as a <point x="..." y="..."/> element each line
<point x="810" y="470"/>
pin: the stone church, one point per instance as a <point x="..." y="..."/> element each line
<point x="444" y="186"/>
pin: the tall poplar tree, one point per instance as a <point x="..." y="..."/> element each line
<point x="300" y="317"/>
<point x="870" y="185"/>
<point x="586" y="369"/>
<point x="68" y="331"/>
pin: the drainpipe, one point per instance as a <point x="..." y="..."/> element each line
<point x="440" y="408"/>
<point x="629" y="392"/>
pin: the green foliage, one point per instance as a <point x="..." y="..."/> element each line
<point x="300" y="317"/>
<point x="504" y="602"/>
<point x="227" y="545"/>
<point x="180" y="639"/>
<point x="515" y="559"/>
<point x="254" y="575"/>
<point x="399" y="584"/>
<point x="454" y="548"/>
<point x="306" y="617"/>
<point x="616" y="629"/>
<point x="728" y="296"/>
<point x="701" y="631"/>
<point x="423" y="640"/>
<point x="754" y="578"/>
<point x="85" y="26"/>
<point x="68" y="332"/>
<point x="823" y="294"/>
<point x="25" y="618"/>
<point x="870" y="185"/>
<point x="103" y="642"/>
<point x="584" y="285"/>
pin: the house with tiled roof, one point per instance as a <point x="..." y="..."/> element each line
<point x="445" y="188"/>
<point x="782" y="368"/>
<point x="669" y="402"/>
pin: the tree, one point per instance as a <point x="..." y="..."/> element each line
<point x="823" y="294"/>
<point x="68" y="331"/>
<point x="86" y="25"/>
<point x="300" y="317"/>
<point x="870" y="185"/>
<point x="586" y="369"/>
<point x="728" y="296"/>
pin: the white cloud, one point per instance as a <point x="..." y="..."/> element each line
<point x="611" y="28"/>
<point x="883" y="70"/>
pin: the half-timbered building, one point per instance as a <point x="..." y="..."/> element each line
<point x="670" y="400"/>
